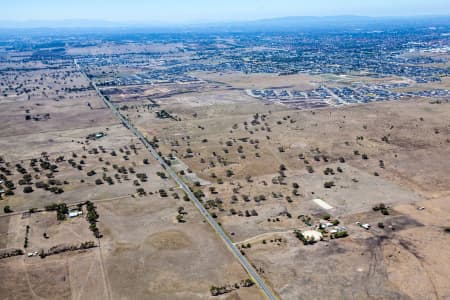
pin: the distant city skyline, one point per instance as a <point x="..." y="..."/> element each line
<point x="201" y="11"/>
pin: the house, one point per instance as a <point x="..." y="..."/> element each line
<point x="99" y="135"/>
<point x="75" y="213"/>
<point x="324" y="224"/>
<point x="338" y="229"/>
<point x="366" y="226"/>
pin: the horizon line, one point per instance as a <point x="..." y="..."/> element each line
<point x="126" y="23"/>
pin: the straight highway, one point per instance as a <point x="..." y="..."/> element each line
<point x="234" y="250"/>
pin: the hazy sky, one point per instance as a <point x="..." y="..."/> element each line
<point x="179" y="11"/>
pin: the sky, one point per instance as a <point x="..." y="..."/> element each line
<point x="198" y="11"/>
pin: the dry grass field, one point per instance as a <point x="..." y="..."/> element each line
<point x="267" y="172"/>
<point x="145" y="251"/>
<point x="394" y="153"/>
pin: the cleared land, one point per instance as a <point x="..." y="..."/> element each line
<point x="266" y="163"/>
<point x="258" y="165"/>
<point x="154" y="245"/>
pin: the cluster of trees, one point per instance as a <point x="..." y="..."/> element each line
<point x="306" y="219"/>
<point x="51" y="185"/>
<point x="246" y="246"/>
<point x="92" y="217"/>
<point x="46" y="165"/>
<point x="27" y="178"/>
<point x="305" y="240"/>
<point x="61" y="210"/>
<point x="162" y="175"/>
<point x="274" y="220"/>
<point x="276" y="240"/>
<point x="21" y="169"/>
<point x="339" y="234"/>
<point x="27" y="231"/>
<point x="75" y="165"/>
<point x="251" y="213"/>
<point x="328" y="171"/>
<point x="328" y="184"/>
<point x="10" y="253"/>
<point x="163" y="193"/>
<point x="142" y="177"/>
<point x="108" y="179"/>
<point x="64" y="248"/>
<point x="220" y="290"/>
<point x="181" y="214"/>
<point x="141" y="192"/>
<point x="382" y="208"/>
<point x="164" y="115"/>
<point x="6" y="172"/>
<point x="317" y="158"/>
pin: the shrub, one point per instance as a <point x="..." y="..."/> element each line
<point x="326" y="217"/>
<point x="7" y="209"/>
<point x="302" y="238"/>
<point x="328" y="184"/>
<point x="27" y="189"/>
<point x="339" y="235"/>
<point x="41" y="185"/>
<point x="162" y="175"/>
<point x="385" y="211"/>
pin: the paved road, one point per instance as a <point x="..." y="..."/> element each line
<point x="234" y="250"/>
<point x="335" y="97"/>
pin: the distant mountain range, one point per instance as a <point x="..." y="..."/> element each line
<point x="75" y="23"/>
<point x="276" y="24"/>
<point x="339" y="23"/>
